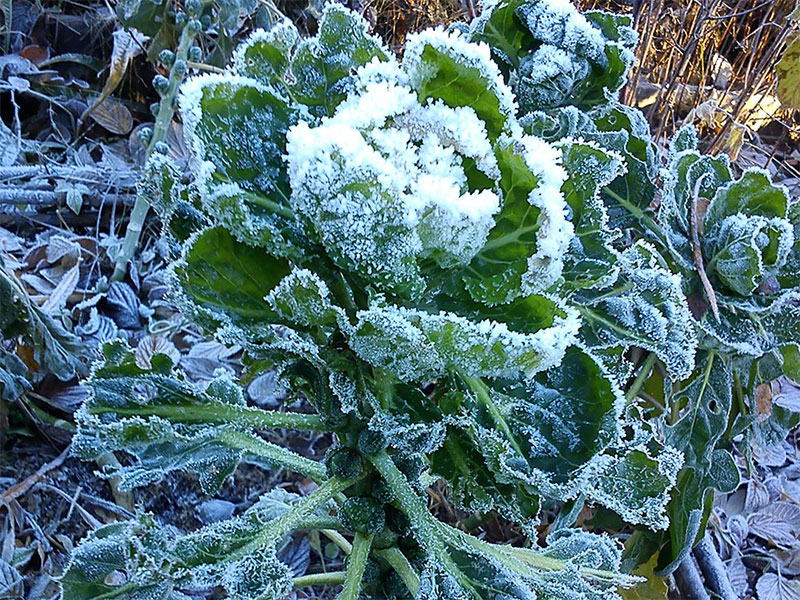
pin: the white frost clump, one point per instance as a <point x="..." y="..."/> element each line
<point x="556" y="231"/>
<point x="384" y="180"/>
<point x="417" y="346"/>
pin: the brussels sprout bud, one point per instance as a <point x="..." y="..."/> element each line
<point x="166" y="56"/>
<point x="179" y="68"/>
<point x="161" y="148"/>
<point x="397" y="521"/>
<point x="180" y="19"/>
<point x="343" y="462"/>
<point x="161" y="84"/>
<point x="371" y="442"/>
<point x="155" y="107"/>
<point x="205" y="21"/>
<point x="195" y="54"/>
<point x="362" y="515"/>
<point x="411" y="466"/>
<point x="193" y="7"/>
<point x="382" y="492"/>
<point x="386" y="538"/>
<point x="194" y="27"/>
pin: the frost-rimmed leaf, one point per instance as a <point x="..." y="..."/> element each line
<point x="747" y="236"/>
<point x="553" y="55"/>
<point x="323" y="66"/>
<point x="142" y="560"/>
<point x="121" y="560"/>
<point x="418" y="346"/>
<point x="168" y="424"/>
<point x="227" y="280"/>
<point x="561" y="434"/>
<point x="446" y="66"/>
<point x="620" y="129"/>
<point x="525" y="249"/>
<point x="591" y="261"/>
<point x="644" y="307"/>
<point x="236" y="128"/>
<point x="706" y="399"/>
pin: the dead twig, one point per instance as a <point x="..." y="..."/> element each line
<point x="697" y="251"/>
<point x="21" y="488"/>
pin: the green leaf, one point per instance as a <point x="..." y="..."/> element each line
<point x="555" y="56"/>
<point x="690" y="506"/>
<point x="591" y="261"/>
<point x="705" y="402"/>
<point x="168" y="424"/>
<point x="266" y="56"/>
<point x="562" y="435"/>
<point x="751" y="195"/>
<point x="474" y="486"/>
<point x="644" y="307"/>
<point x="688" y="172"/>
<point x="140" y="560"/>
<point x="240" y="126"/>
<point x="745" y="250"/>
<point x="419" y="346"/>
<point x="227" y="280"/>
<point x="524" y="251"/>
<point x="617" y="128"/>
<point x="504" y="32"/>
<point x="457" y="565"/>
<point x="108" y="564"/>
<point x="447" y="67"/>
<point x="324" y="65"/>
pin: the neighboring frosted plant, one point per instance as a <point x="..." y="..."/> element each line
<point x="453" y="259"/>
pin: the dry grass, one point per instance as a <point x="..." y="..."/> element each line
<point x="395" y="19"/>
<point x="720" y="54"/>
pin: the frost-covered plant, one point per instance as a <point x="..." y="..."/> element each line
<point x="451" y="257"/>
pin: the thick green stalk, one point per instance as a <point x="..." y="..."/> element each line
<point x="166" y="111"/>
<point x="433" y="535"/>
<point x="295" y="518"/>
<point x="332" y="578"/>
<point x="356" y="563"/>
<point x="219" y="413"/>
<point x="338" y="539"/>
<point x="395" y="557"/>
<point x="275" y="454"/>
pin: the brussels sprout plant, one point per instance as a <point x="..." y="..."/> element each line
<point x="457" y="260"/>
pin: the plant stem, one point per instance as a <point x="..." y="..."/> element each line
<point x="481" y="390"/>
<point x="294" y="518"/>
<point x="332" y="578"/>
<point x="398" y="561"/>
<point x="356" y="564"/>
<point x="433" y="535"/>
<point x="166" y="111"/>
<point x="274" y="454"/>
<point x="219" y="413"/>
<point x="641" y="378"/>
<point x="338" y="539"/>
